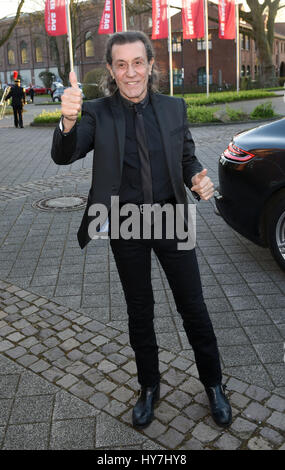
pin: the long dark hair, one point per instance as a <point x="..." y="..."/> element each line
<point x="108" y="84"/>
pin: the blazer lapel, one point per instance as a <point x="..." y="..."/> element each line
<point x="120" y="125"/>
<point x="164" y="121"/>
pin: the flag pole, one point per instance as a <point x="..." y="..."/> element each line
<point x="237" y="45"/>
<point x="170" y="48"/>
<point x="69" y="36"/>
<point x="114" y="16"/>
<point x="124" y="16"/>
<point x="207" y="46"/>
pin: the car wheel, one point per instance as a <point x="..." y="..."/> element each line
<point x="275" y="227"/>
<point x="56" y="99"/>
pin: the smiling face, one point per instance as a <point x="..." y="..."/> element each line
<point x="131" y="69"/>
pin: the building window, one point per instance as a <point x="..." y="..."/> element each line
<point x="202" y="77"/>
<point x="247" y="43"/>
<point x="177" y="77"/>
<point x="243" y="70"/>
<point x="176" y="43"/>
<point x="38" y="51"/>
<point x="23" y="52"/>
<point x="242" y="41"/>
<point x="132" y="21"/>
<point x="11" y="55"/>
<point x="89" y="47"/>
<point x="248" y="71"/>
<point x="201" y="43"/>
<point x="149" y="22"/>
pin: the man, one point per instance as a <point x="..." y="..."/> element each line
<point x="32" y="93"/>
<point x="18" y="96"/>
<point x="137" y="132"/>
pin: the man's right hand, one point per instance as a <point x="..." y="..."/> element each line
<point x="71" y="102"/>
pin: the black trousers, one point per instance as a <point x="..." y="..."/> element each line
<point x="133" y="260"/>
<point x="18" y="116"/>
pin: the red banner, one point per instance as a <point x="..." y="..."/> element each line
<point x="112" y="13"/>
<point x="193" y="19"/>
<point x="227" y="19"/>
<point x="55" y="17"/>
<point x="159" y="19"/>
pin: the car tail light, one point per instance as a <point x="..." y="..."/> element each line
<point x="233" y="152"/>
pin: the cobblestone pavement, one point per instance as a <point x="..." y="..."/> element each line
<point x="67" y="373"/>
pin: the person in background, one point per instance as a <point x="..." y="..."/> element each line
<point x="18" y="95"/>
<point x="32" y="93"/>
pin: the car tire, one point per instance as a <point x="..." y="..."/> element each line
<point x="275" y="228"/>
<point x="56" y="99"/>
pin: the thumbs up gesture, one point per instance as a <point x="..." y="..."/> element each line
<point x="71" y="102"/>
<point x="202" y="185"/>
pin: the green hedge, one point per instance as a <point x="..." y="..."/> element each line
<point x="49" y="117"/>
<point x="199" y="114"/>
<point x="226" y="97"/>
<point x="263" y="111"/>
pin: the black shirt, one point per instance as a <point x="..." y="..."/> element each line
<point x="131" y="186"/>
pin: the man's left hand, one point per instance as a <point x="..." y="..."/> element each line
<point x="202" y="185"/>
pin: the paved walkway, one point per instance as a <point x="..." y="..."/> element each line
<point x="68" y="378"/>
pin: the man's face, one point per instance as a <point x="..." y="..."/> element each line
<point x="131" y="70"/>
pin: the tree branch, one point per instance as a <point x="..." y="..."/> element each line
<point x="13" y="24"/>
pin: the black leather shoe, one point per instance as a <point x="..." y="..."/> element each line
<point x="220" y="407"/>
<point x="143" y="409"/>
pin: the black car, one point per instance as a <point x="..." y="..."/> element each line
<point x="251" y="192"/>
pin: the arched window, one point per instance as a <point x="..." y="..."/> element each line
<point x="248" y="70"/>
<point x="202" y="78"/>
<point x="24" y="52"/>
<point x="11" y="55"/>
<point x="89" y="47"/>
<point x="38" y="51"/>
<point x="243" y="70"/>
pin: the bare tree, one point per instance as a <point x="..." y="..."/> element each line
<point x="59" y="44"/>
<point x="262" y="17"/>
<point x="135" y="7"/>
<point x="14" y="23"/>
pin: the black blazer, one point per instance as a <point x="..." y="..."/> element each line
<point x="102" y="129"/>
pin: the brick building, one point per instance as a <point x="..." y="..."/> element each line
<point x="190" y="55"/>
<point x="29" y="50"/>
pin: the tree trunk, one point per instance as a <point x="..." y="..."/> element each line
<point x="264" y="36"/>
